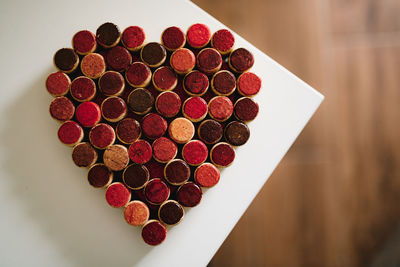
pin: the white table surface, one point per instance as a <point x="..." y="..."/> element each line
<point x="50" y="216"/>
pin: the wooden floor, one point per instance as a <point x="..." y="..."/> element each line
<point x="334" y="199"/>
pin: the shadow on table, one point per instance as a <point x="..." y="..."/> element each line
<point x="55" y="194"/>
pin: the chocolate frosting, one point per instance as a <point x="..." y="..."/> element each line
<point x="177" y="171"/>
<point x="209" y="59"/>
<point x="113" y="107"/>
<point x="196" y="82"/>
<point x="108" y="34"/>
<point x="246" y="109"/>
<point x="140" y="100"/>
<point x="241" y="59"/>
<point x="237" y="133"/>
<point x="153" y="54"/>
<point x="84" y="155"/>
<point x="136" y="176"/>
<point x="171" y="212"/>
<point x="99" y="175"/>
<point x="128" y="130"/>
<point x="189" y="194"/>
<point x="111" y="83"/>
<point x="224" y="82"/>
<point x="210" y="131"/>
<point x="66" y="59"/>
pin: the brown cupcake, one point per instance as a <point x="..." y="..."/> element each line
<point x="84" y="155"/>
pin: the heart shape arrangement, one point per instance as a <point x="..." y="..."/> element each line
<point x="153" y="122"/>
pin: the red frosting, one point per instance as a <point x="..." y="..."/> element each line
<point x="140" y="151"/>
<point x="128" y="130"/>
<point x="62" y="109"/>
<point x="141" y="196"/>
<point x="246" y="109"/>
<point x="195" y="108"/>
<point x="154" y="126"/>
<point x="220" y="108"/>
<point x="113" y="108"/>
<point x="154" y="233"/>
<point x="70" y="132"/>
<point x="168" y="104"/>
<point x="249" y="84"/>
<point x="164" y="78"/>
<point x="180" y="91"/>
<point x="195" y="152"/>
<point x="57" y="83"/>
<point x="156" y="191"/>
<point x="102" y="135"/>
<point x="198" y="35"/>
<point x="133" y="37"/>
<point x="173" y="38"/>
<point x="137" y="73"/>
<point x="196" y="82"/>
<point x="111" y="83"/>
<point x="84" y="42"/>
<point x="209" y="60"/>
<point x="155" y="168"/>
<point x="83" y="88"/>
<point x="222" y="154"/>
<point x="207" y="175"/>
<point x="183" y="60"/>
<point x="117" y="195"/>
<point x="189" y="194"/>
<point x="164" y="149"/>
<point x="118" y="58"/>
<point x="223" y="40"/>
<point x="88" y="114"/>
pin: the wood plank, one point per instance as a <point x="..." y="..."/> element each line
<point x="280" y="225"/>
<point x="366" y="149"/>
<point x="361" y="16"/>
<point x="333" y="199"/>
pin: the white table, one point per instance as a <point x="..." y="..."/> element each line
<point x="50" y="216"/>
